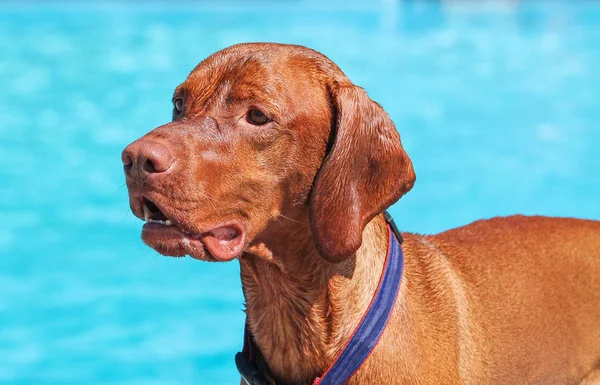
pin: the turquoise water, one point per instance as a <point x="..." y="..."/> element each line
<point x="498" y="108"/>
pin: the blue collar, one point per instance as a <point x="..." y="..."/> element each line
<point x="365" y="336"/>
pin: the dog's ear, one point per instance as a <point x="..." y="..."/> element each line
<point x="366" y="171"/>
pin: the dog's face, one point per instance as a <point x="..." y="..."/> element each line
<point x="251" y="128"/>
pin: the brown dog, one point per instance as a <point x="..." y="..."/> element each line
<point x="274" y="157"/>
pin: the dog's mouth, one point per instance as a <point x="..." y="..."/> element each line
<point x="152" y="213"/>
<point x="222" y="243"/>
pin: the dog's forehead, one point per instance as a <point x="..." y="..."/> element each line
<point x="225" y="84"/>
<point x="269" y="55"/>
<point x="257" y="72"/>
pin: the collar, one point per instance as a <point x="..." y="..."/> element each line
<point x="366" y="335"/>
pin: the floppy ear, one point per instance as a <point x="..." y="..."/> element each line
<point x="366" y="171"/>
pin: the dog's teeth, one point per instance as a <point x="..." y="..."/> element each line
<point x="147" y="213"/>
<point x="160" y="222"/>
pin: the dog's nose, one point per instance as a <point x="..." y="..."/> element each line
<point x="146" y="157"/>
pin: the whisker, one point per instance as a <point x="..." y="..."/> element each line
<point x="211" y="197"/>
<point x="153" y="256"/>
<point x="293" y="220"/>
<point x="126" y="215"/>
<point x="282" y="223"/>
<point x="118" y="188"/>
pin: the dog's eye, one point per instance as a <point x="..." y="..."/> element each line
<point x="177" y="107"/>
<point x="257" y="117"/>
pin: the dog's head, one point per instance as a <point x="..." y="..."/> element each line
<point x="259" y="131"/>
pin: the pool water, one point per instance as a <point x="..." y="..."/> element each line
<point x="498" y="106"/>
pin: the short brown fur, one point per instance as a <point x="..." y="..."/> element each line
<point x="511" y="300"/>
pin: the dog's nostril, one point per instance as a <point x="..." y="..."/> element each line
<point x="148" y="166"/>
<point x="126" y="159"/>
<point x="156" y="158"/>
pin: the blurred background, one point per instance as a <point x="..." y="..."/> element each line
<point x="497" y="104"/>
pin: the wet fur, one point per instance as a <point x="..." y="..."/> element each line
<point x="504" y="301"/>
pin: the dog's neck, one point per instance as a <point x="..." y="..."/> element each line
<point x="301" y="309"/>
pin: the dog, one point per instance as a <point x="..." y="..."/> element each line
<point x="275" y="158"/>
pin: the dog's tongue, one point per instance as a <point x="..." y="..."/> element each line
<point x="224" y="243"/>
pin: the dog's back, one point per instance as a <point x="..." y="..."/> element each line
<point x="533" y="289"/>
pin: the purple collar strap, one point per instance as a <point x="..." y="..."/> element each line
<point x="365" y="336"/>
